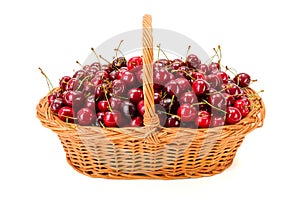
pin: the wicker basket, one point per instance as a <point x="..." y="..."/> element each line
<point x="151" y="151"/>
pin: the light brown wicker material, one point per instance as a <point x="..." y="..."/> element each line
<point x="151" y="152"/>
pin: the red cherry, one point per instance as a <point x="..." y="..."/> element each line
<point x="213" y="68"/>
<point x="103" y="105"/>
<point x="217" y="121"/>
<point x="85" y="117"/>
<point x="223" y="76"/>
<point x="136" y="121"/>
<point x="141" y="107"/>
<point x="172" y="121"/>
<point x="187" y="112"/>
<point x="135" y="95"/>
<point x="199" y="86"/>
<point x="214" y="81"/>
<point x="118" y="87"/>
<point x="233" y="115"/>
<point x="73" y="99"/>
<point x="242" y="79"/>
<point x="115" y="103"/>
<point x="183" y="83"/>
<point x="188" y="97"/>
<point x="56" y="105"/>
<point x="203" y="68"/>
<point x="203" y="119"/>
<point x="198" y="75"/>
<point x="172" y="88"/>
<point x="241" y="104"/>
<point x="63" y="82"/>
<point x="129" y="78"/>
<point x="134" y="62"/>
<point x="112" y="119"/>
<point x="66" y="114"/>
<point x="90" y="102"/>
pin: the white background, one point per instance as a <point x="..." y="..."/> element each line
<point x="259" y="37"/>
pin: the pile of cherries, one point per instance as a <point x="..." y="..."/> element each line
<point x="187" y="93"/>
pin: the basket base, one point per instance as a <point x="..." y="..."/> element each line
<point x="132" y="176"/>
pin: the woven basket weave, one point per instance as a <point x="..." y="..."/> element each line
<point x="151" y="151"/>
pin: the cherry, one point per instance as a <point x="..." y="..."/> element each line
<point x="135" y="95"/>
<point x="233" y="115"/>
<point x="119" y="62"/>
<point x="198" y="75"/>
<point x="203" y="119"/>
<point x="241" y="104"/>
<point x="203" y="68"/>
<point x="85" y="116"/>
<point x="88" y="89"/>
<point x="120" y="72"/>
<point x="183" y="83"/>
<point x="199" y="87"/>
<point x="90" y="102"/>
<point x="53" y="96"/>
<point x="139" y="76"/>
<point x="176" y="63"/>
<point x="169" y="105"/>
<point x="136" y="121"/>
<point x="115" y="103"/>
<point x="112" y="119"/>
<point x="56" y="105"/>
<point x="223" y="76"/>
<point x="100" y="91"/>
<point x="73" y="99"/>
<point x="103" y="105"/>
<point x="95" y="64"/>
<point x="73" y="84"/>
<point x="118" y="87"/>
<point x="66" y="114"/>
<point x="107" y="68"/>
<point x="217" y="100"/>
<point x="192" y="61"/>
<point x="172" y="121"/>
<point x="172" y="88"/>
<point x="102" y="74"/>
<point x="80" y="74"/>
<point x="213" y="68"/>
<point x="157" y="97"/>
<point x="93" y="70"/>
<point x="214" y="81"/>
<point x="242" y="79"/>
<point x="233" y="89"/>
<point x="129" y="110"/>
<point x="183" y="71"/>
<point x="188" y="97"/>
<point x="229" y="99"/>
<point x="141" y="107"/>
<point x="134" y="62"/>
<point x="187" y="112"/>
<point x="99" y="118"/>
<point x="129" y="78"/>
<point x="63" y="82"/>
<point x="163" y="61"/>
<point x="113" y="75"/>
<point x="161" y="76"/>
<point x="217" y="121"/>
<point x="96" y="80"/>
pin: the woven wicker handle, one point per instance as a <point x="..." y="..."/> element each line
<point x="150" y="117"/>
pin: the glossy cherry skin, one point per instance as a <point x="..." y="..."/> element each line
<point x="203" y="119"/>
<point x="128" y="109"/>
<point x="216" y="121"/>
<point x="241" y="104"/>
<point x="169" y="105"/>
<point x="129" y="79"/>
<point x="112" y="119"/>
<point x="187" y="112"/>
<point x="198" y="75"/>
<point x="157" y="97"/>
<point x="242" y="79"/>
<point x="56" y="105"/>
<point x="115" y="103"/>
<point x="73" y="99"/>
<point x="119" y="62"/>
<point x="217" y="100"/>
<point x="213" y="68"/>
<point x="188" y="97"/>
<point x="136" y="121"/>
<point x="99" y="118"/>
<point x="73" y="84"/>
<point x="172" y="88"/>
<point x="229" y="99"/>
<point x="100" y="91"/>
<point x="214" y="81"/>
<point x="184" y="84"/>
<point x="223" y="76"/>
<point x="199" y="87"/>
<point x="134" y="62"/>
<point x="80" y="74"/>
<point x="203" y="68"/>
<point x="233" y="89"/>
<point x="85" y="117"/>
<point x="63" y="82"/>
<point x="103" y="105"/>
<point x="141" y="107"/>
<point x="54" y="96"/>
<point x="90" y="102"/>
<point x="192" y="60"/>
<point x="66" y="114"/>
<point x="172" y="121"/>
<point x="233" y="115"/>
<point x="118" y="87"/>
<point x="135" y="95"/>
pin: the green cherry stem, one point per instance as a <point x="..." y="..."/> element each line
<point x="214" y="106"/>
<point x="96" y="55"/>
<point x="50" y="86"/>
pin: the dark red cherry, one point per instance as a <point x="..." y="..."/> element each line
<point x="85" y="116"/>
<point x="120" y="72"/>
<point x="172" y="121"/>
<point x="187" y="112"/>
<point x="115" y="103"/>
<point x="218" y="101"/>
<point x="192" y="61"/>
<point x="135" y="95"/>
<point x="129" y="110"/>
<point x="169" y="105"/>
<point x="100" y="91"/>
<point x="242" y="79"/>
<point x="141" y="107"/>
<point x="90" y="102"/>
<point x="53" y="96"/>
<point x="63" y="82"/>
<point x="172" y="88"/>
<point x="203" y="68"/>
<point x="198" y="75"/>
<point x="56" y="105"/>
<point x="73" y="84"/>
<point x="233" y="89"/>
<point x="118" y="87"/>
<point x="119" y="62"/>
<point x="103" y="105"/>
<point x="73" y="99"/>
<point x="80" y="74"/>
<point x="213" y="68"/>
<point x="139" y="77"/>
<point x="99" y="118"/>
<point x="136" y="121"/>
<point x="102" y="74"/>
<point x="66" y="114"/>
<point x="229" y="99"/>
<point x="129" y="78"/>
<point x="223" y="76"/>
<point x="233" y="115"/>
<point x="214" y="81"/>
<point x="157" y="97"/>
<point x="241" y="104"/>
<point x="183" y="83"/>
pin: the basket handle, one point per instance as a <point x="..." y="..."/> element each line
<point x="151" y="120"/>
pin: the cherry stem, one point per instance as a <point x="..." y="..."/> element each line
<point x="81" y="82"/>
<point x="169" y="114"/>
<point x="171" y="104"/>
<point x="109" y="107"/>
<point x="79" y="63"/>
<point x="231" y="70"/>
<point x="93" y="50"/>
<point x="158" y="46"/>
<point x="101" y="124"/>
<point x="50" y="86"/>
<point x="187" y="52"/>
<point x="163" y="52"/>
<point x="214" y="106"/>
<point x="117" y="49"/>
<point x="104" y="59"/>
